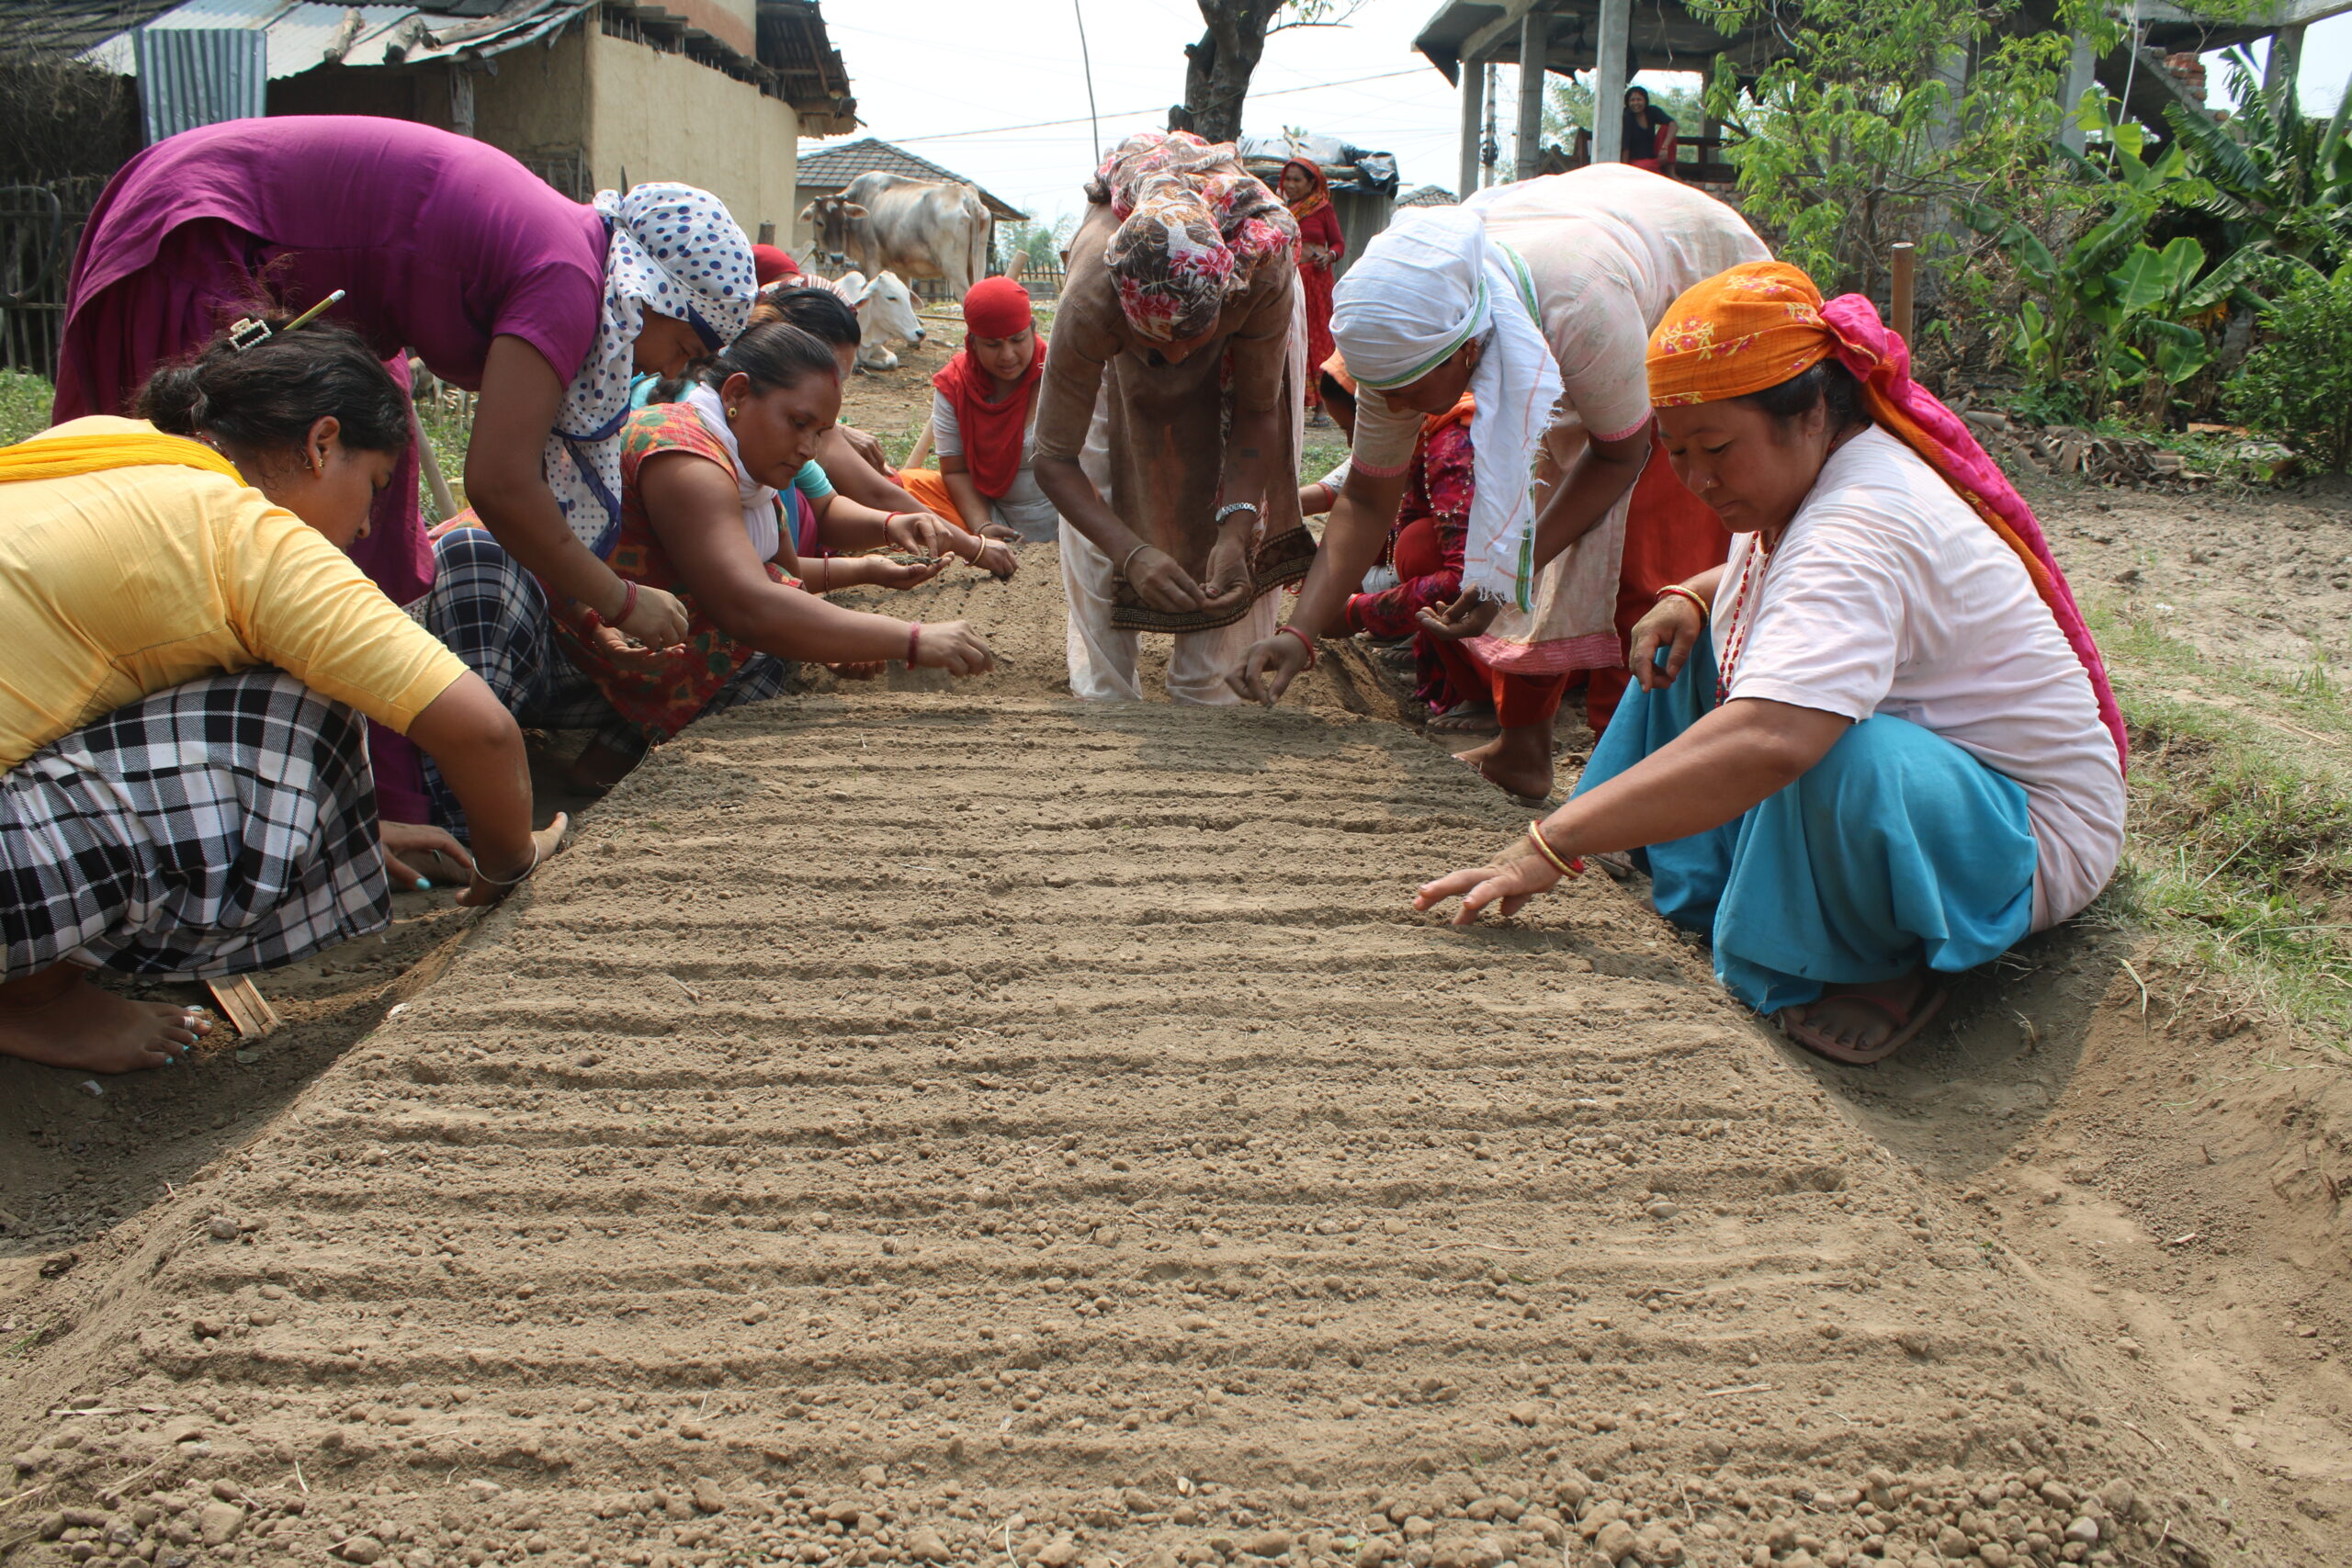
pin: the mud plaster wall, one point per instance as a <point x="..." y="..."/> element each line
<point x="663" y="116"/>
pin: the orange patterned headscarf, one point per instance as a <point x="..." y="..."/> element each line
<point x="1738" y="333"/>
<point x="1762" y="323"/>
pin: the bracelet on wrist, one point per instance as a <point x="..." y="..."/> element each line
<point x="518" y="877"/>
<point x="1677" y="591"/>
<point x="1230" y="507"/>
<point x="1303" y="641"/>
<point x="1572" y="866"/>
<point x="914" y="641"/>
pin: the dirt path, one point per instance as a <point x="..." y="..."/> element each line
<point x="929" y="1126"/>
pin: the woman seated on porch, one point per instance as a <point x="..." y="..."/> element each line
<point x="1649" y="134"/>
<point x="184" y="782"/>
<point x="699" y="518"/>
<point x="984" y="422"/>
<point x="1896" y="752"/>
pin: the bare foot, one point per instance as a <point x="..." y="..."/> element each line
<point x="60" y="1018"/>
<point x="1860" y="1024"/>
<point x="1465" y="718"/>
<point x="1518" y="761"/>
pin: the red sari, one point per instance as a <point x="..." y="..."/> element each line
<point x="1318" y="225"/>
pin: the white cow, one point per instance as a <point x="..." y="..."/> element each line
<point x="886" y="314"/>
<point x="918" y="228"/>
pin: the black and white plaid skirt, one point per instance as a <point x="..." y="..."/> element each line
<point x="220" y="827"/>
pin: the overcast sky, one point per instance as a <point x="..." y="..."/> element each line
<point x="949" y="79"/>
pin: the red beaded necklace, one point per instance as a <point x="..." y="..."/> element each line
<point x="1741" y="615"/>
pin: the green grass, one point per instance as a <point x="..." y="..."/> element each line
<point x="2240" y="856"/>
<point x="24" y="406"/>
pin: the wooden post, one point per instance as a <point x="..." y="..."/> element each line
<point x="1904" y="255"/>
<point x="1534" y="43"/>
<point x="1608" y="77"/>
<point x="1474" y="79"/>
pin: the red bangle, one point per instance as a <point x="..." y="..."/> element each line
<point x="628" y="601"/>
<point x="914" y="640"/>
<point x="1303" y="641"/>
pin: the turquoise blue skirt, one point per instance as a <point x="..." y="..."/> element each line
<point x="1897" y="849"/>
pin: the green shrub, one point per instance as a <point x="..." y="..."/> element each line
<point x="2296" y="386"/>
<point x="24" y="405"/>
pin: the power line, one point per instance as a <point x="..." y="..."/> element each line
<point x="1117" y="114"/>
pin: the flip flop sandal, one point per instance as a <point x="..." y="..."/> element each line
<point x="1906" y="1028"/>
<point x="1618" y="864"/>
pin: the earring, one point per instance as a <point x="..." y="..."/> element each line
<point x="732" y="412"/>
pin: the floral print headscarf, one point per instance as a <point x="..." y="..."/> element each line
<point x="674" y="250"/>
<point x="1193" y="225"/>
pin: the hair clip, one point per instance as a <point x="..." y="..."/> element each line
<point x="251" y="332"/>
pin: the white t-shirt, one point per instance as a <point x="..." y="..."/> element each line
<point x="1888" y="594"/>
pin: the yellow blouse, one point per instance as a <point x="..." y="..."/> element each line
<point x="118" y="584"/>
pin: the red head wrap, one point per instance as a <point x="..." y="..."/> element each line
<point x="996" y="307"/>
<point x="771" y="263"/>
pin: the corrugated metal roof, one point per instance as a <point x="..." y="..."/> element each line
<point x="192" y="76"/>
<point x="69" y="27"/>
<point x="831" y="168"/>
<point x="1429" y="196"/>
<point x="303" y="34"/>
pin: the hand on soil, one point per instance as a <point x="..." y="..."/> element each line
<point x="1513" y="879"/>
<point x="955" y="646"/>
<point x="1268" y="669"/>
<point x="548" y="840"/>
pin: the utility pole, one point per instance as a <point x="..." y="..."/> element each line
<point x="1491" y="148"/>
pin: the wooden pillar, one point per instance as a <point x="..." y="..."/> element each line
<point x="1473" y="77"/>
<point x="2285" y="61"/>
<point x="1535" y="44"/>
<point x="2081" y="74"/>
<point x="1609" y="78"/>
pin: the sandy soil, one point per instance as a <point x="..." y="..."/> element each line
<point x="930" y="1125"/>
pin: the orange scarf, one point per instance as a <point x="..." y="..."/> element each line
<point x="1763" y="322"/>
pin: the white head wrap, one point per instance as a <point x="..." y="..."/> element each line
<point x="674" y="251"/>
<point x="1429" y="284"/>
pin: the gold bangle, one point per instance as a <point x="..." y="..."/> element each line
<point x="1677" y="591"/>
<point x="1572" y="867"/>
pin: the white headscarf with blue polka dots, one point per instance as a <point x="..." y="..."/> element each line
<point x="676" y="252"/>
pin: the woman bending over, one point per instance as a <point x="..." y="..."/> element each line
<point x="699" y="518"/>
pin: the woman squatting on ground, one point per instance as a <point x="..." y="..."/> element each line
<point x="185" y="788"/>
<point x="1878" y="744"/>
